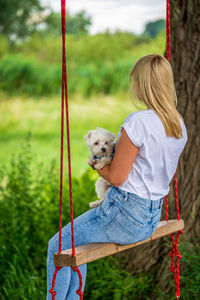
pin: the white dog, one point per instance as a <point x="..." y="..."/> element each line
<point x="101" y="144"/>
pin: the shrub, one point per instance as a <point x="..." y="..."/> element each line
<point x="25" y="75"/>
<point x="95" y="64"/>
<point x="29" y="214"/>
<point x="190" y="275"/>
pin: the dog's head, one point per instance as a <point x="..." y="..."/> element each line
<point x="100" y="141"/>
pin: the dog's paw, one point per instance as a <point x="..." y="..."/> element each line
<point x="99" y="166"/>
<point x="95" y="203"/>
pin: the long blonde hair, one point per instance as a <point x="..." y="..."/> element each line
<point x="152" y="81"/>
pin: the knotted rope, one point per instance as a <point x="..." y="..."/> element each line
<point x="65" y="101"/>
<point x="174" y="252"/>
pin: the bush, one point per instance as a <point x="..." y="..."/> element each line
<point x="95" y="64"/>
<point x="190" y="278"/>
<point x="106" y="279"/>
<point x="29" y="214"/>
<point x="24" y="75"/>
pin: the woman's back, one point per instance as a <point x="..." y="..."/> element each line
<point x="158" y="155"/>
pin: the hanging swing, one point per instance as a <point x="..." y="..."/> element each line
<point x="93" y="251"/>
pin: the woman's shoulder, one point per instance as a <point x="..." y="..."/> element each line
<point x="137" y="125"/>
<point x="147" y="121"/>
<point x="141" y="115"/>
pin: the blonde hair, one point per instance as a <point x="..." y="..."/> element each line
<point x="152" y="81"/>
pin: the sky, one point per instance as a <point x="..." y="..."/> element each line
<point x="128" y="15"/>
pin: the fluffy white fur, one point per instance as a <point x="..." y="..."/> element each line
<point x="101" y="144"/>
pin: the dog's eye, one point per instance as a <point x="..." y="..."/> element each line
<point x="106" y="143"/>
<point x="96" y="143"/>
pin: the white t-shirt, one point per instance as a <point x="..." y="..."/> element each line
<point x="157" y="159"/>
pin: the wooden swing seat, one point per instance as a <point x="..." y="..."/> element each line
<point x="93" y="251"/>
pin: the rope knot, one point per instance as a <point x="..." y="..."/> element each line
<point x="52" y="292"/>
<point x="175" y="252"/>
<point x="172" y="268"/>
<point x="79" y="292"/>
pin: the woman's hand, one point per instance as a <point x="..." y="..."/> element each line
<point x="124" y="157"/>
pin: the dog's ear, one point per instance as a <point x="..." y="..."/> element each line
<point x="88" y="136"/>
<point x="111" y="136"/>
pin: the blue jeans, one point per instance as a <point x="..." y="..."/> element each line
<point x="123" y="218"/>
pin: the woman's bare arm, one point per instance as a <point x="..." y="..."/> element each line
<point x="124" y="157"/>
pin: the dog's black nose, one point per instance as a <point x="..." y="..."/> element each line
<point x="103" y="149"/>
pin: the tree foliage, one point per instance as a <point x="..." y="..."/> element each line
<point x="19" y="18"/>
<point x="77" y="24"/>
<point x="153" y="28"/>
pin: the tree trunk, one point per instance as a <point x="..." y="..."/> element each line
<point x="185" y="61"/>
<point x="186" y="66"/>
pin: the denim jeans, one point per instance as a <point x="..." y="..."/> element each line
<point x="123" y="218"/>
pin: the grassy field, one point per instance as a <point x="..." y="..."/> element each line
<point x="42" y="118"/>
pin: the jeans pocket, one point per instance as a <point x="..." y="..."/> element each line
<point x="140" y="210"/>
<point x="124" y="228"/>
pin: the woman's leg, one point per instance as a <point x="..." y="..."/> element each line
<point x="88" y="228"/>
<point x="74" y="283"/>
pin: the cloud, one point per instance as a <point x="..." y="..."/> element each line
<point x="130" y="15"/>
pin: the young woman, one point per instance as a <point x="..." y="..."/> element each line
<point x="148" y="148"/>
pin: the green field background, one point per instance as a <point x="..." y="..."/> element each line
<point x="41" y="119"/>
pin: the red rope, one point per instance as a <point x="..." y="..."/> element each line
<point x="176" y="195"/>
<point x="168" y="32"/>
<point x="65" y="100"/>
<point x="166" y="207"/>
<point x="79" y="291"/>
<point x="67" y="123"/>
<point x="52" y="291"/>
<point x="174" y="252"/>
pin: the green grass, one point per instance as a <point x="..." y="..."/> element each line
<point x="42" y="118"/>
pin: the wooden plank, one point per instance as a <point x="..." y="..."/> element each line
<point x="90" y="252"/>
